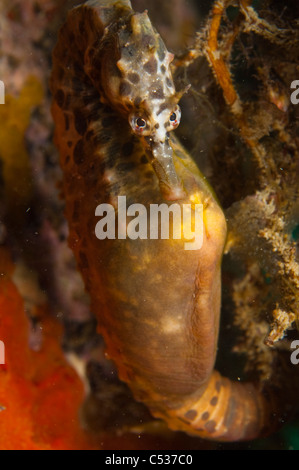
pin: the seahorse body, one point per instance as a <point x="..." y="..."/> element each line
<point x="157" y="304"/>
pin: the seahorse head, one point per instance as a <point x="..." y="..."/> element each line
<point x="144" y="91"/>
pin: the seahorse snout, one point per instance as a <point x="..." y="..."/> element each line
<point x="161" y="156"/>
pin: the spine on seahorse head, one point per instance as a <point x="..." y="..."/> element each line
<point x="157" y="304"/>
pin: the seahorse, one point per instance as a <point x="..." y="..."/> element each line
<point x="157" y="304"/>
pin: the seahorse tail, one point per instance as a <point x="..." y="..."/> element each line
<point x="227" y="411"/>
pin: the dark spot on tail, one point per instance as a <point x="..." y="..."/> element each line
<point x="210" y="426"/>
<point x="214" y="401"/>
<point x="205" y="416"/>
<point x="191" y="415"/>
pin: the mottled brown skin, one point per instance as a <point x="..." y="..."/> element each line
<point x="157" y="304"/>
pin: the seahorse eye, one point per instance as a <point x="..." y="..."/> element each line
<point x="140" y="122"/>
<point x="175" y="118"/>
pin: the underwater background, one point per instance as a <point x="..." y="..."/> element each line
<point x="57" y="388"/>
